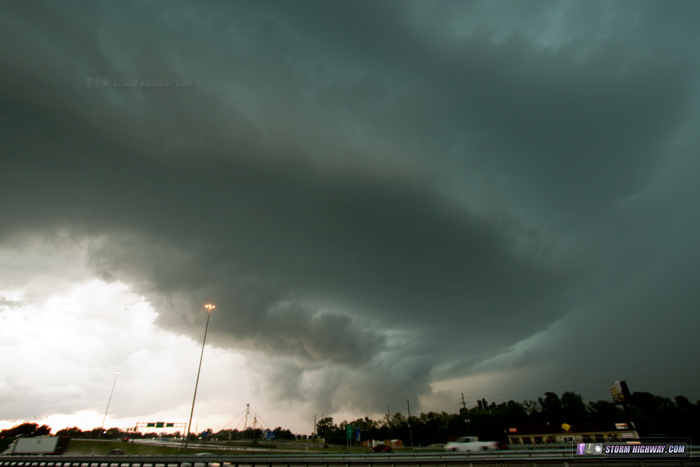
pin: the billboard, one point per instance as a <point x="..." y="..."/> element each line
<point x="619" y="391"/>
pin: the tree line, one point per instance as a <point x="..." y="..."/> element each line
<point x="33" y="429"/>
<point x="652" y="415"/>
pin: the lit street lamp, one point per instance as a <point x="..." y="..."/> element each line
<point x="209" y="307"/>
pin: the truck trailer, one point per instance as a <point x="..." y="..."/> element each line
<point x="39" y="445"/>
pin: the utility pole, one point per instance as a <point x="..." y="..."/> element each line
<point x="410" y="430"/>
<point x="464" y="405"/>
<point x="388" y="423"/>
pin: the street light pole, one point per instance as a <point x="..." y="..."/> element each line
<point x="108" y="402"/>
<point x="209" y="307"/>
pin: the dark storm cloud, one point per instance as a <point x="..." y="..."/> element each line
<point x="380" y="203"/>
<point x="255" y="235"/>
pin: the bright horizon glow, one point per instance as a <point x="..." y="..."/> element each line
<point x="118" y="325"/>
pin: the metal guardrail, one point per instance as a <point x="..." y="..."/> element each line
<point x="337" y="460"/>
<point x="485" y="459"/>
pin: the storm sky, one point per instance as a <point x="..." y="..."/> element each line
<point x="386" y="201"/>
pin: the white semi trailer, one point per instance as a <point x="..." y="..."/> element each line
<point x="38" y="445"/>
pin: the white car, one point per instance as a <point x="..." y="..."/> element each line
<point x="472" y="443"/>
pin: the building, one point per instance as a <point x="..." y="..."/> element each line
<point x="395" y="443"/>
<point x="587" y="432"/>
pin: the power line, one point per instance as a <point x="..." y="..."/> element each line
<point x="232" y="420"/>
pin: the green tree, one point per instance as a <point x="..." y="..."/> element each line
<point x="573" y="409"/>
<point x="533" y="410"/>
<point x="283" y="434"/>
<point x="114" y="433"/>
<point x="653" y="415"/>
<point x="687" y="415"/>
<point x="431" y="429"/>
<point x="369" y="429"/>
<point x="516" y="414"/>
<point x="326" y="429"/>
<point x="27" y="429"/>
<point x="551" y="408"/>
<point x="487" y="421"/>
<point x="70" y="432"/>
<point x="605" y="411"/>
<point x="252" y="433"/>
